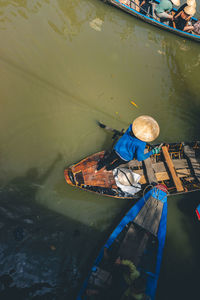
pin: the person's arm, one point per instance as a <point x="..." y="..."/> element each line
<point x="140" y="153"/>
<point x="188" y="28"/>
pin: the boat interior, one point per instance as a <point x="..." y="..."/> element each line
<point x="136" y="243"/>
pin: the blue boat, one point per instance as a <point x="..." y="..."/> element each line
<point x="131" y="7"/>
<point x="198" y="212"/>
<point x="137" y="241"/>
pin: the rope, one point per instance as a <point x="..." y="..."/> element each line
<point x="118" y="169"/>
<point x="149" y="185"/>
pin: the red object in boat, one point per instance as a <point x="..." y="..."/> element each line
<point x="198" y="212"/>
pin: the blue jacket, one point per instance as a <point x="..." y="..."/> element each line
<point x="129" y="147"/>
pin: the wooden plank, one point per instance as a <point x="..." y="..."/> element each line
<point x="159" y="166"/>
<point x="134" y="244"/>
<point x="100" y="278"/>
<point x="164" y="175"/>
<point x="150" y="220"/>
<point x="172" y="170"/>
<point x="141" y="248"/>
<point x="178" y="164"/>
<point x="194" y="161"/>
<point x="132" y="164"/>
<point x="136" y="239"/>
<point x="151" y="178"/>
<point x="156" y="219"/>
<point x="141" y="216"/>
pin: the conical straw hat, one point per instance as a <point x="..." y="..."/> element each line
<point x="176" y="2"/>
<point x="145" y="128"/>
<point x="191" y="3"/>
<point x="190" y="10"/>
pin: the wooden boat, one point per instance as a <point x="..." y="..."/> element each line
<point x="177" y="166"/>
<point x="149" y="16"/>
<point x="139" y="238"/>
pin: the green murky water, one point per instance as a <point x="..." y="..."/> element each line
<point x="64" y="65"/>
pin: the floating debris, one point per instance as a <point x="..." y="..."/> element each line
<point x="52" y="247"/>
<point x="161" y="52"/>
<point x="134" y="104"/>
<point x="96" y="24"/>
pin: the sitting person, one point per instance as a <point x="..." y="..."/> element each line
<point x="132" y="144"/>
<point x="183" y="17"/>
<point x="163" y="10"/>
<point x="197" y="27"/>
<point x="188" y="3"/>
<point x="127" y="282"/>
<point x="145" y="6"/>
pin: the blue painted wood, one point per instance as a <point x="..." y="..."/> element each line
<point x="152" y="278"/>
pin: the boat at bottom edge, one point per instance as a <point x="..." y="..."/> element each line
<point x="139" y="240"/>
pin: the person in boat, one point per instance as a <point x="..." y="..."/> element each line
<point x="132" y="144"/>
<point x="182" y="20"/>
<point x="188" y="3"/>
<point x="127" y="282"/>
<point x="164" y="8"/>
<point x="145" y="6"/>
<point x="196" y="29"/>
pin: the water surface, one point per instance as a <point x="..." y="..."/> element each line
<point x="64" y="65"/>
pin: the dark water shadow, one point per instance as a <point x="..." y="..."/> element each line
<point x="179" y="278"/>
<point x="44" y="255"/>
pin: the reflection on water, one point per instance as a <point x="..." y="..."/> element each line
<point x="64" y="65"/>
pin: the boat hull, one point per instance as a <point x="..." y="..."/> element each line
<point x="177" y="166"/>
<point x="154" y="22"/>
<point x="136" y="216"/>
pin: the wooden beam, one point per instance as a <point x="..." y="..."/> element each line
<point x="149" y="170"/>
<point x="172" y="170"/>
<point x="194" y="161"/>
<point x="164" y="175"/>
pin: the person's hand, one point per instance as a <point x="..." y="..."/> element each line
<point x="156" y="150"/>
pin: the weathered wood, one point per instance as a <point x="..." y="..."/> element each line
<point x="150" y="214"/>
<point x="194" y="161"/>
<point x="100" y="278"/>
<point x="154" y="225"/>
<point x="178" y="164"/>
<point x="134" y="244"/>
<point x="88" y="176"/>
<point x="141" y="248"/>
<point x="135" y="241"/>
<point x="143" y="214"/>
<point x="163" y="175"/>
<point x="172" y="170"/>
<point x="132" y="164"/>
<point x="151" y="178"/>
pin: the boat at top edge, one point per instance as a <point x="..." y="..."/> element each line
<point x="177" y="166"/>
<point x="137" y="240"/>
<point x="151" y="18"/>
